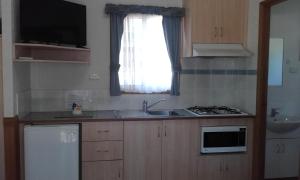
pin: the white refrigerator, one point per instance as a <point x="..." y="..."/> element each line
<point x="51" y="152"/>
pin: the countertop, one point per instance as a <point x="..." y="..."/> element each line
<point x="110" y="115"/>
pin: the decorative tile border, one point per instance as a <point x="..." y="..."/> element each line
<point x="219" y="71"/>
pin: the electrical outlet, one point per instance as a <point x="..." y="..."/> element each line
<point x="94" y="76"/>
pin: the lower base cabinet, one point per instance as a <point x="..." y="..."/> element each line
<point x="282" y="158"/>
<point x="142" y="150"/>
<point x="165" y="150"/>
<point x="224" y="167"/>
<point x="161" y="150"/>
<point x="102" y="170"/>
<point x="102" y="150"/>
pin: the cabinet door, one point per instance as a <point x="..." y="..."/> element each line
<point x="210" y="167"/>
<point x="180" y="149"/>
<point x="102" y="170"/>
<point x="142" y="150"/>
<point x="272" y="158"/>
<point x="236" y="167"/>
<point x="289" y="164"/>
<point x="233" y="20"/>
<point x="204" y="21"/>
<point x="282" y="158"/>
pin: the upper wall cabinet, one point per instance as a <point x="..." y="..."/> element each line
<point x="214" y="21"/>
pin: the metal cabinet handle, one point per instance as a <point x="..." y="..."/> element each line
<point x="277" y="150"/>
<point x="158" y="134"/>
<point x="282" y="148"/>
<point x="221" y="31"/>
<point x="221" y="167"/>
<point x="216" y="32"/>
<point x="165" y="130"/>
<point x="102" y="151"/>
<point x="226" y="167"/>
<point x="103" y="131"/>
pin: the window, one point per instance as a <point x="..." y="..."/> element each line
<point x="145" y="63"/>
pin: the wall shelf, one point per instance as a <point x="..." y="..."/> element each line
<point x="43" y="53"/>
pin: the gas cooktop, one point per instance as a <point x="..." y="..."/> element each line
<point x="215" y="111"/>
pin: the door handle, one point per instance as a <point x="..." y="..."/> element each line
<point x="216" y="32"/>
<point x="158" y="134"/>
<point x="282" y="148"/>
<point x="277" y="150"/>
<point x="101" y="131"/>
<point x="226" y="167"/>
<point x="221" y="167"/>
<point x="221" y="31"/>
<point x="105" y="151"/>
<point x="165" y="130"/>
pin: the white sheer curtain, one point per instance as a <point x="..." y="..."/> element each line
<point x="145" y="64"/>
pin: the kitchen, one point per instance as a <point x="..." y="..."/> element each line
<point x="204" y="81"/>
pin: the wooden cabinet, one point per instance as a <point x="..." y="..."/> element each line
<point x="142" y="150"/>
<point x="106" y="150"/>
<point x="165" y="150"/>
<point x="102" y="170"/>
<point x="170" y="150"/>
<point x="205" y="21"/>
<point x="236" y="167"/>
<point x="209" y="168"/>
<point x="102" y="150"/>
<point x="180" y="149"/>
<point x="214" y="21"/>
<point x="95" y="131"/>
<point x="282" y="158"/>
<point x="224" y="167"/>
<point x="232" y="24"/>
<point x="228" y="166"/>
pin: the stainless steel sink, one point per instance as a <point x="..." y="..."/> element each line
<point x="73" y="117"/>
<point x="163" y="113"/>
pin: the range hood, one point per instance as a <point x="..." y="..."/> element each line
<point x="220" y="50"/>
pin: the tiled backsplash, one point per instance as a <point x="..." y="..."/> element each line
<point x="231" y="90"/>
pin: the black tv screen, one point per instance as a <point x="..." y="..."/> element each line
<point x="53" y="21"/>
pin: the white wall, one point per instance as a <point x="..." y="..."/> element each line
<point x="7" y="47"/>
<point x="285" y="23"/>
<point x="54" y="86"/>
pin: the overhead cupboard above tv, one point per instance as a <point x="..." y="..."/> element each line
<point x="56" y="22"/>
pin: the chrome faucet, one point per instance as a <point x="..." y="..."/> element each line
<point x="146" y="107"/>
<point x="274" y="112"/>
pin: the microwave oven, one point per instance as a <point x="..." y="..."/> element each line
<point x="223" y="139"/>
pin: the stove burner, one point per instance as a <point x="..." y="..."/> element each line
<point x="214" y="110"/>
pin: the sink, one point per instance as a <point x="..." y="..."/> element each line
<point x="163" y="113"/>
<point x="73" y="117"/>
<point x="151" y="114"/>
<point x="283" y="124"/>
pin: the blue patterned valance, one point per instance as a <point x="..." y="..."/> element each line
<point x="138" y="9"/>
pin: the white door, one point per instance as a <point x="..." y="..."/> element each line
<point x="51" y="152"/>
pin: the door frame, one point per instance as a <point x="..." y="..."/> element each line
<point x="262" y="88"/>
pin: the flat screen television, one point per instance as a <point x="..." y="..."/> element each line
<point x="53" y="21"/>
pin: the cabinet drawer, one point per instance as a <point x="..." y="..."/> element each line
<point x="102" y="170"/>
<point x="106" y="150"/>
<point x="100" y="131"/>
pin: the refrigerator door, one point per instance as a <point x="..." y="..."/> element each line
<point x="51" y="152"/>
